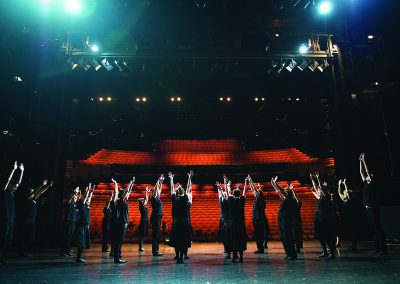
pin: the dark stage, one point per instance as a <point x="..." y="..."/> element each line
<point x="207" y="265"/>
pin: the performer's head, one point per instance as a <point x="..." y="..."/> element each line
<point x="180" y="191"/>
<point x="236" y="192"/>
<point x="141" y="201"/>
<point x="290" y="193"/>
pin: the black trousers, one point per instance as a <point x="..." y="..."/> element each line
<point x="259" y="233"/>
<point x="69" y="230"/>
<point x="286" y="234"/>
<point x="155" y="233"/>
<point x="29" y="234"/>
<point x="105" y="236"/>
<point x="298" y="232"/>
<point x="375" y="225"/>
<point x="119" y="239"/>
<point x="7" y="236"/>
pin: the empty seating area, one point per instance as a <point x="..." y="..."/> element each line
<point x="110" y="157"/>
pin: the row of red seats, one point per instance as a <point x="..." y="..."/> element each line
<point x="106" y="157"/>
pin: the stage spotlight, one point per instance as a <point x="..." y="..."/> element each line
<point x="138" y="99"/>
<point x="274" y="64"/>
<point x="144" y="99"/>
<point x="376" y="83"/>
<point x="289" y="99"/>
<point x="178" y="99"/>
<point x="73" y="65"/>
<point x="109" y="99"/>
<point x="101" y="99"/>
<point x="228" y="99"/>
<point x="283" y="64"/>
<point x="256" y="99"/>
<point x="172" y="99"/>
<point x="276" y="35"/>
<point x="303" y="48"/>
<point x="73" y="6"/>
<point x="263" y="99"/>
<point x="96" y="65"/>
<point x="107" y="64"/>
<point x="85" y="65"/>
<point x="323" y="66"/>
<point x="297" y="99"/>
<point x="292" y="65"/>
<point x="302" y="65"/>
<point x="314" y="65"/>
<point x="370" y="37"/>
<point x="221" y="99"/>
<point x="95" y="48"/>
<point x="118" y="64"/>
<point x="325" y="7"/>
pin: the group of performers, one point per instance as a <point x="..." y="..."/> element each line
<point x="232" y="229"/>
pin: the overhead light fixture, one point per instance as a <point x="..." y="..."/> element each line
<point x="370" y="37"/>
<point x="95" y="48"/>
<point x="178" y="99"/>
<point x="172" y="99"/>
<point x="109" y="99"/>
<point x="85" y="65"/>
<point x="256" y="99"/>
<point x="263" y="99"/>
<point x="276" y="35"/>
<point x="221" y="99"/>
<point x="101" y="99"/>
<point x="96" y="65"/>
<point x="314" y="65"/>
<point x="293" y="63"/>
<point x="274" y="64"/>
<point x="144" y="99"/>
<point x="302" y="65"/>
<point x="138" y="99"/>
<point x="325" y="7"/>
<point x="323" y="66"/>
<point x="228" y="99"/>
<point x="107" y="64"/>
<point x="119" y="65"/>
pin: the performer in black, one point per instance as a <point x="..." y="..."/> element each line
<point x="297" y="227"/>
<point x="189" y="193"/>
<point x="30" y="216"/>
<point x="70" y="218"/>
<point x="156" y="216"/>
<point x="371" y="204"/>
<point x="121" y="200"/>
<point x="324" y="219"/>
<point x="143" y="230"/>
<point x="236" y="203"/>
<point x="105" y="225"/>
<point x="286" y="218"/>
<point x="350" y="213"/>
<point x="180" y="233"/>
<point x="83" y="235"/>
<point x="260" y="221"/>
<point x="224" y="219"/>
<point x="8" y="206"/>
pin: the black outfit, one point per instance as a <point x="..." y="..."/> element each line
<point x="121" y="226"/>
<point x="297" y="227"/>
<point x="324" y="224"/>
<point x="144" y="224"/>
<point x="370" y="202"/>
<point x="83" y="235"/>
<point x="351" y="211"/>
<point x="155" y="219"/>
<point x="286" y="218"/>
<point x="238" y="237"/>
<point x="180" y="232"/>
<point x="113" y="225"/>
<point x="226" y="221"/>
<point x="30" y="225"/>
<point x="8" y="221"/>
<point x="260" y="222"/>
<point x="105" y="228"/>
<point x="71" y="216"/>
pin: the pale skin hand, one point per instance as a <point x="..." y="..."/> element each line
<point x="281" y="191"/>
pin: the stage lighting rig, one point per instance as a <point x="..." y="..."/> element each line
<point x="314" y="65"/>
<point x="293" y="63"/>
<point x="107" y="64"/>
<point x="303" y="65"/>
<point x="323" y="66"/>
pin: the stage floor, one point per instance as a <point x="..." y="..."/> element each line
<point x="206" y="265"/>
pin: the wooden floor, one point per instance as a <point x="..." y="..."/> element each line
<point x="206" y="265"/>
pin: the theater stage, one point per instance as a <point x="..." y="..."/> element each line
<point x="206" y="265"/>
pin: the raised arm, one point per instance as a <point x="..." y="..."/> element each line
<point x="340" y="191"/>
<point x="280" y="190"/>
<point x="314" y="188"/>
<point x="189" y="183"/>
<point x="171" y="182"/>
<point x="218" y="185"/>
<point x="252" y="186"/>
<point x="11" y="175"/>
<point x="129" y="189"/>
<point x="245" y="186"/>
<point x="42" y="190"/>
<point x="90" y="195"/>
<point x="115" y="196"/>
<point x="146" y="199"/>
<point x="22" y="168"/>
<point x="111" y="199"/>
<point x="158" y="188"/>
